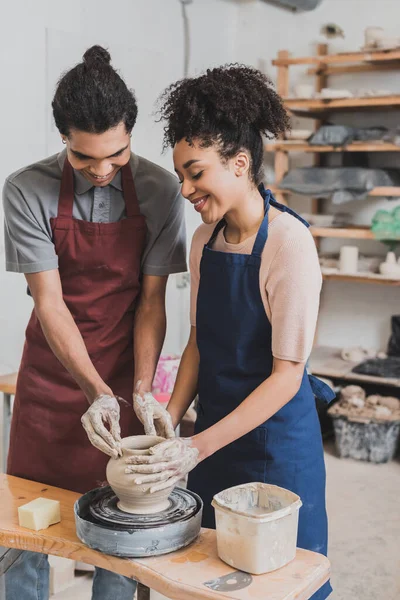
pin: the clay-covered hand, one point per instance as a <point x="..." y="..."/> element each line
<point x="166" y="464"/>
<point x="154" y="417"/>
<point x="104" y="409"/>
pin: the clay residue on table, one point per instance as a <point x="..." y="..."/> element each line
<point x="192" y="556"/>
<point x="357" y="406"/>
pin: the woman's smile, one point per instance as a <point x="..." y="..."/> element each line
<point x="199" y="203"/>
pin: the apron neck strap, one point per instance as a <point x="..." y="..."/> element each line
<point x="262" y="234"/>
<point x="220" y="225"/>
<point x="66" y="199"/>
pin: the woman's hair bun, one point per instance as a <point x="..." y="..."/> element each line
<point x="96" y="55"/>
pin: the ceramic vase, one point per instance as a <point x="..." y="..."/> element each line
<point x="134" y="498"/>
<point x="390" y="268"/>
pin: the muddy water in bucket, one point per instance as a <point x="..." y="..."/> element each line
<point x="256" y="526"/>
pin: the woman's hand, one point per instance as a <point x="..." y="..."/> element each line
<point x="167" y="463"/>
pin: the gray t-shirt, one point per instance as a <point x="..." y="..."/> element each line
<point x="30" y="198"/>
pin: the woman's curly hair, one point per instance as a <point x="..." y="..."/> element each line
<point x="231" y="106"/>
<point x="93" y="97"/>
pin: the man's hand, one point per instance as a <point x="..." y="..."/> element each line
<point x="156" y="420"/>
<point x="167" y="463"/>
<point x="105" y="409"/>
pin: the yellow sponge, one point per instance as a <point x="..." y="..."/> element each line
<point x="39" y="514"/>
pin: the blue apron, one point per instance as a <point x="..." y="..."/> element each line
<point x="234" y="338"/>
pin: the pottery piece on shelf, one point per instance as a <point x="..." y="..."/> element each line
<point x="304" y="90"/>
<point x="135" y="498"/>
<point x="372" y="35"/>
<point x="369" y="264"/>
<point x="390" y="267"/>
<point x="388" y="43"/>
<point x="372" y="92"/>
<point x="330" y="262"/>
<point x="319" y="220"/>
<point x="332" y="93"/>
<point x="357" y="354"/>
<point x="298" y="134"/>
<point x="342" y="219"/>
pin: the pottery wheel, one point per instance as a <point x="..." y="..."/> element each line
<point x="101" y="525"/>
<point x="104" y="509"/>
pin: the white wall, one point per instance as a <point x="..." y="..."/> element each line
<point x="37" y="40"/>
<point x="40" y="39"/>
<point x="350" y="313"/>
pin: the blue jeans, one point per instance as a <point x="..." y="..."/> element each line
<point x="28" y="579"/>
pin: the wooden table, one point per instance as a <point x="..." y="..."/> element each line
<point x="8" y="384"/>
<point x="194" y="572"/>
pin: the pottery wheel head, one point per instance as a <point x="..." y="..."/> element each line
<point x="104" y="510"/>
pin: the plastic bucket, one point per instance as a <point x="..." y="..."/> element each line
<point x="372" y="441"/>
<point x="256" y="526"/>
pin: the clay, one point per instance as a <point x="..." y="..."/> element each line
<point x="390" y="402"/>
<point x="356" y="407"/>
<point x="135" y="498"/>
<point x="351" y="391"/>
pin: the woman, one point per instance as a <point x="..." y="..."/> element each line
<point x="255" y="284"/>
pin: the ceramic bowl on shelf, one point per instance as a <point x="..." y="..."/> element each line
<point x="333" y="94"/>
<point x="319" y="220"/>
<point x="304" y="90"/>
<point x="388" y="43"/>
<point x="298" y="134"/>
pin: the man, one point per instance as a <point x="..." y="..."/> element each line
<point x="96" y="230"/>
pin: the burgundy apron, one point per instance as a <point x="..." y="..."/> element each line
<point x="99" y="265"/>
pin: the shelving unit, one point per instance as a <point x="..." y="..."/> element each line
<point x="327" y="361"/>
<point x="321" y="66"/>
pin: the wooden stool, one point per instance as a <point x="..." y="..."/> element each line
<point x="8" y="384"/>
<point x="194" y="572"/>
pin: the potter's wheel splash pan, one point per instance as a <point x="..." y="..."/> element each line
<point x="102" y="526"/>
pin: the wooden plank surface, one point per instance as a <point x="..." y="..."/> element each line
<point x="373" y="278"/>
<point x="378" y="191"/>
<point x="301" y="146"/>
<point x="339" y="69"/>
<point x="342" y="58"/>
<point x="325" y="103"/>
<point x="355" y="233"/>
<point x="192" y="573"/>
<point x="326" y="361"/>
<point x="8" y="383"/>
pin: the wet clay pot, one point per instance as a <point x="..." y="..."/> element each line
<point x="134" y="498"/>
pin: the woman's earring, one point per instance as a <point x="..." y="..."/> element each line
<point x="64" y="141"/>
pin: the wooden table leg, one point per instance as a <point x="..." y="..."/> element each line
<point x="143" y="592"/>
